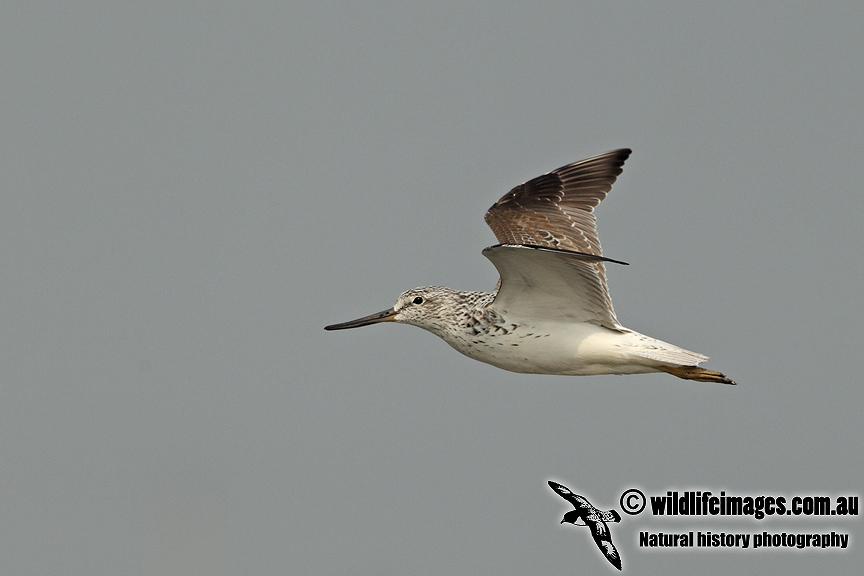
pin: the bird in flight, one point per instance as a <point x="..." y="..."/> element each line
<point x="593" y="518"/>
<point x="551" y="312"/>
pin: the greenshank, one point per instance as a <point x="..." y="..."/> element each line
<point x="550" y="312"/>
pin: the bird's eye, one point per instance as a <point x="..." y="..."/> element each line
<point x="418" y="300"/>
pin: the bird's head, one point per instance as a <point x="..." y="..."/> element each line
<point x="573" y="517"/>
<point x="428" y="307"/>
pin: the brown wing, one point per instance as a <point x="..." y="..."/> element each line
<point x="556" y="210"/>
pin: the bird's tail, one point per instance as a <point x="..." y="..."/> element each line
<point x="698" y="374"/>
<point x="676" y="360"/>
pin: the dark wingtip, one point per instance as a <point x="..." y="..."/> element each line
<point x="623" y="153"/>
<point x="618" y="157"/>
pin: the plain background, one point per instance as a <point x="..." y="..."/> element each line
<point x="192" y="190"/>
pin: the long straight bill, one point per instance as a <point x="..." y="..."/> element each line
<point x="384" y="316"/>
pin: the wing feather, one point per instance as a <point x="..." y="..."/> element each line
<point x="548" y="284"/>
<point x="556" y="210"/>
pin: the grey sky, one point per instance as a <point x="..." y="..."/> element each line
<point x="192" y="191"/>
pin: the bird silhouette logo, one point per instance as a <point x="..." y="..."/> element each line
<point x="585" y="514"/>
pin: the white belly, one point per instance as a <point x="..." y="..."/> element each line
<point x="558" y="348"/>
